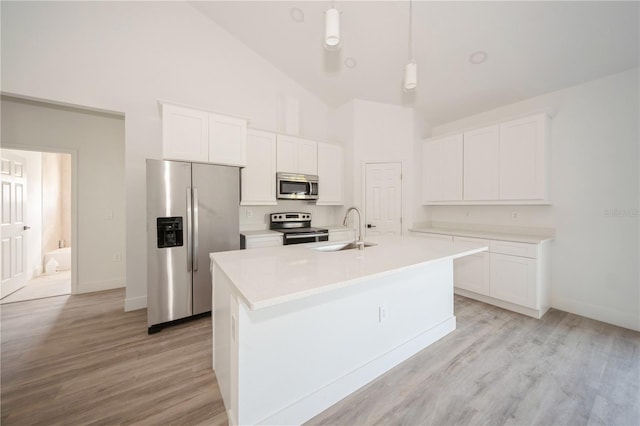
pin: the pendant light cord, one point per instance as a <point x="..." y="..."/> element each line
<point x="410" y="30"/>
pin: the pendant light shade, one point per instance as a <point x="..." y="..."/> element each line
<point x="411" y="69"/>
<point x="332" y="29"/>
<point x="410" y="76"/>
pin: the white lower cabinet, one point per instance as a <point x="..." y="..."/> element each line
<point x="512" y="275"/>
<point x="472" y="272"/>
<point x="248" y="241"/>
<point x="513" y="279"/>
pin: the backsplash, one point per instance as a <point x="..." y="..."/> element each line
<point x="257" y="217"/>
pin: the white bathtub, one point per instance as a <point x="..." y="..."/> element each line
<point x="62" y="256"/>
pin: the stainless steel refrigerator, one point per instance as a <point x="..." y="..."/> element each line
<point x="192" y="210"/>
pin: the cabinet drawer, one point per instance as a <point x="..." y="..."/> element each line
<point x="438" y="237"/>
<point x="469" y="240"/>
<point x="514" y="249"/>
<point x="257" y="242"/>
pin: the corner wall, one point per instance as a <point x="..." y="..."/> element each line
<point x="595" y="186"/>
<point x="125" y="56"/>
<point x="98" y="140"/>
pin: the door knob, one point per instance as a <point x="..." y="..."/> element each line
<point x="370" y="225"/>
<point x="26" y="227"/>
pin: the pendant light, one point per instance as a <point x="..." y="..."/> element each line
<point x="411" y="69"/>
<point x="332" y="28"/>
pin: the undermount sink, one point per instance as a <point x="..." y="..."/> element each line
<point x="341" y="246"/>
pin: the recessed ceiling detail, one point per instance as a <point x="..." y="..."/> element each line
<point x="568" y="43"/>
<point x="478" y="57"/>
<point x="297" y="15"/>
<point x="350" y="62"/>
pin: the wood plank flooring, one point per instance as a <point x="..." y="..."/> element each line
<point x="76" y="360"/>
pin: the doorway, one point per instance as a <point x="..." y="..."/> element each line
<point x="383" y="199"/>
<point x="36" y="225"/>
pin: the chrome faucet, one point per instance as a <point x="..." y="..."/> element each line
<point x="345" y="222"/>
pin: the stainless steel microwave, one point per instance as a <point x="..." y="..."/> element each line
<point x="293" y="186"/>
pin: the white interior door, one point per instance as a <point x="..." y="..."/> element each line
<point x="383" y="199"/>
<point x="14" y="242"/>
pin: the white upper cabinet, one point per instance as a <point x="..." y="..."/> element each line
<point x="442" y="169"/>
<point x="330" y="165"/>
<point x="185" y="134"/>
<point x="227" y="140"/>
<point x="297" y="155"/>
<point x="258" y="178"/>
<point x="191" y="134"/>
<point x="506" y="163"/>
<point x="523" y="154"/>
<point x="481" y="164"/>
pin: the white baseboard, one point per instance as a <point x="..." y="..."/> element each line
<point x="99" y="286"/>
<point x="598" y="313"/>
<point x="315" y="403"/>
<point x="135" y="303"/>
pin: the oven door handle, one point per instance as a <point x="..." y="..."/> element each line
<point x="297" y="236"/>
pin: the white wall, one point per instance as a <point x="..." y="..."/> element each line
<point x="595" y="194"/>
<point x="257" y="217"/>
<point x="98" y="142"/>
<point x="384" y="133"/>
<point x="124" y="56"/>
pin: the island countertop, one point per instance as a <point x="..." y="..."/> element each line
<point x="269" y="276"/>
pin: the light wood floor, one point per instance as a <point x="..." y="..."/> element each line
<point x="75" y="360"/>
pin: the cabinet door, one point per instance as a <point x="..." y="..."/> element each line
<point x="287" y="154"/>
<point x="307" y="157"/>
<point x="522" y="158"/>
<point x="185" y="134"/>
<point x="481" y="166"/>
<point x="258" y="178"/>
<point x="330" y="174"/>
<point x="442" y="169"/>
<point x="472" y="273"/>
<point x="227" y="140"/>
<point x="513" y="279"/>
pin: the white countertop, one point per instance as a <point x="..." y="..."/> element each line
<point x="269" y="276"/>
<point x="486" y="235"/>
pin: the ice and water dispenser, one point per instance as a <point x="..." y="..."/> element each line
<point x="169" y="232"/>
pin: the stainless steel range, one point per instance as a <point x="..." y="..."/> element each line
<point x="297" y="228"/>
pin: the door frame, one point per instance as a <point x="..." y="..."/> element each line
<point x="74" y="199"/>
<point x="364" y="191"/>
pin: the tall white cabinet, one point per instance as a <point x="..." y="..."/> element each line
<point x="482" y="164"/>
<point x="330" y="174"/>
<point x="523" y="155"/>
<point x="297" y="155"/>
<point x="190" y="134"/>
<point x="258" y="178"/>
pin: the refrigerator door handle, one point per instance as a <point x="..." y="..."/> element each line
<point x="195" y="229"/>
<point x="189" y="251"/>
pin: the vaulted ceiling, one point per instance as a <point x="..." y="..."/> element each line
<point x="532" y="48"/>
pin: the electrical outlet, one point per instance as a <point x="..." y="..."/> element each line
<point x="108" y="214"/>
<point x="514" y="215"/>
<point x="249" y="213"/>
<point x="117" y="257"/>
<point x="383" y="313"/>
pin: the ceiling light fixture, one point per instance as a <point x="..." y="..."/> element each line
<point x="478" y="57"/>
<point x="297" y="15"/>
<point x="332" y="28"/>
<point x="411" y="69"/>
<point x="350" y="62"/>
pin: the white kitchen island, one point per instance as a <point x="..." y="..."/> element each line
<point x="295" y="329"/>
